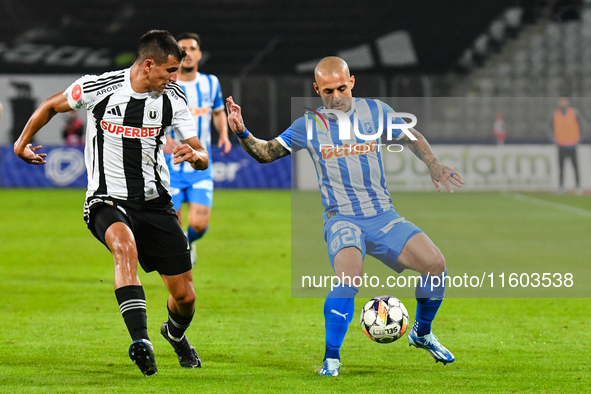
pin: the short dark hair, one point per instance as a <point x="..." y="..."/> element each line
<point x="190" y="36"/>
<point x="159" y="45"/>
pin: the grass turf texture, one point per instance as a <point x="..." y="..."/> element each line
<point x="61" y="330"/>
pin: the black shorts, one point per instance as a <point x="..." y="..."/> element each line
<point x="161" y="244"/>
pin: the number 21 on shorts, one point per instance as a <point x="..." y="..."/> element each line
<point x="345" y="236"/>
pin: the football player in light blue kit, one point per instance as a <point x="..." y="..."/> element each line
<point x="359" y="217"/>
<point x="205" y="101"/>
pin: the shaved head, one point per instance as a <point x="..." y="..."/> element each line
<point x="334" y="82"/>
<point x="331" y="65"/>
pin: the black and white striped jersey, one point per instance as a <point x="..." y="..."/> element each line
<point x="125" y="134"/>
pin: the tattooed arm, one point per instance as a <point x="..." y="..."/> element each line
<point x="439" y="172"/>
<point x="263" y="151"/>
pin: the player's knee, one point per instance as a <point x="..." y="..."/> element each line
<point x="436" y="265"/>
<point x="186" y="297"/>
<point x="348" y="263"/>
<point x="199" y="226"/>
<point x="123" y="250"/>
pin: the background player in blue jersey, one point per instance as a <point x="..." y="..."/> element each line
<point x="359" y="217"/>
<point x="204" y="96"/>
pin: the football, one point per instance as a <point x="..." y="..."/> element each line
<point x="384" y="319"/>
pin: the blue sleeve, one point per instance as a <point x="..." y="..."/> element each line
<point x="218" y="101"/>
<point x="396" y="133"/>
<point x="295" y="136"/>
<point x="285" y="138"/>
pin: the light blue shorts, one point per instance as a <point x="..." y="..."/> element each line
<point x="382" y="236"/>
<point x="198" y="193"/>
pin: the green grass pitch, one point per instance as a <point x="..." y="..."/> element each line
<point x="61" y="330"/>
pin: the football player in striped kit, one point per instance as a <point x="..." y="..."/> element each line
<point x="204" y="96"/>
<point x="128" y="204"/>
<point x="359" y="217"/>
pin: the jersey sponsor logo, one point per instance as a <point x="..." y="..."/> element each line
<point x="335" y="151"/>
<point x="153" y="114"/>
<point x="76" y="92"/>
<point x="200" y="111"/>
<point x="109" y="89"/>
<point x="173" y="93"/>
<point x="129" y="132"/>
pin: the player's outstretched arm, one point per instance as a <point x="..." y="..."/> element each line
<point x="439" y="172"/>
<point x="42" y="115"/>
<point x="263" y="151"/>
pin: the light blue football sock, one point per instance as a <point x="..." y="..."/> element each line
<point x="338" y="314"/>
<point x="193" y="235"/>
<point x="429" y="296"/>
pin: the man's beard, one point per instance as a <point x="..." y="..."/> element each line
<point x="187" y="69"/>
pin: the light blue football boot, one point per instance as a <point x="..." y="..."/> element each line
<point x="330" y="367"/>
<point x="431" y="344"/>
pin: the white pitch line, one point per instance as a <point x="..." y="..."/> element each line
<point x="550" y="204"/>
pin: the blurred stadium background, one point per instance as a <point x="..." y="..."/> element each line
<point x="263" y="52"/>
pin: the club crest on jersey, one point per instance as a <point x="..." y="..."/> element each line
<point x="153" y="114"/>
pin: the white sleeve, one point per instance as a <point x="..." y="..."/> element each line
<point x="77" y="97"/>
<point x="183" y="122"/>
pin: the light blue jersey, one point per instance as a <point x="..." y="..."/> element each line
<point x="204" y="96"/>
<point x="350" y="172"/>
